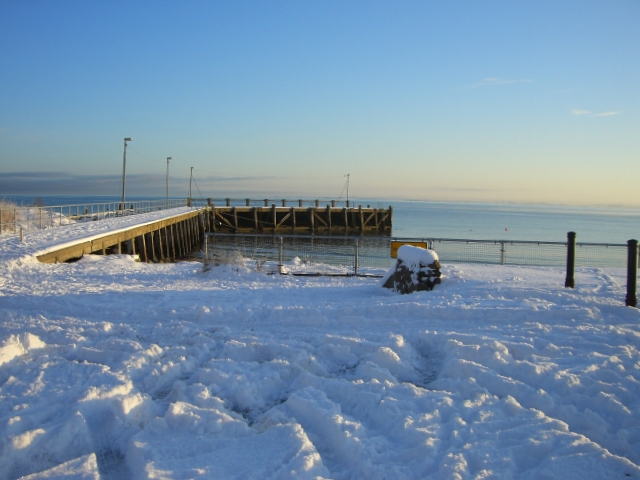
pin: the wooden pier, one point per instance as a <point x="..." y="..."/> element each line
<point x="300" y="219"/>
<point x="176" y="237"/>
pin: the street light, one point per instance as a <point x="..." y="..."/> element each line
<point x="124" y="169"/>
<point x="190" y="179"/>
<point x="168" y="158"/>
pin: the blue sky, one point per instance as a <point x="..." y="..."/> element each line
<point x="490" y="101"/>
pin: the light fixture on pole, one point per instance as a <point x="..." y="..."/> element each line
<point x="191" y="178"/>
<point x="124" y="169"/>
<point x="168" y="158"/>
<point x="348" y="175"/>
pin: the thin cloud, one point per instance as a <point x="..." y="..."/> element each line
<point x="605" y="114"/>
<point x="576" y="111"/>
<point x="496" y="81"/>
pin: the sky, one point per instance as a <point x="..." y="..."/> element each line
<point x="473" y="101"/>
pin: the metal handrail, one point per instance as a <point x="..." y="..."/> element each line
<point x="16" y="219"/>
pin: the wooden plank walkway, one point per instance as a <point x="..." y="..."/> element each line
<point x="167" y="239"/>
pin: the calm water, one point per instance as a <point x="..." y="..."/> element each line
<point x="469" y="220"/>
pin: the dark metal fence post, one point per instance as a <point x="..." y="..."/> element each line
<point x="571" y="260"/>
<point x="632" y="273"/>
<point x="357" y="255"/>
<point x="281" y="257"/>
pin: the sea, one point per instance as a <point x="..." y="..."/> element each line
<point x="469" y="221"/>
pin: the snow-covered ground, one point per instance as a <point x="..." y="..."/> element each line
<point x="111" y="368"/>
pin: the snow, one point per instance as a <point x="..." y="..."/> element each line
<point x="414" y="256"/>
<point x="111" y="368"/>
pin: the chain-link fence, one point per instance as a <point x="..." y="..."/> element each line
<point x="333" y="255"/>
<point x="14" y="218"/>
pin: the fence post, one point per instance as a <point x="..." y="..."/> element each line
<point x="205" y="240"/>
<point x="355" y="265"/>
<point x="571" y="260"/>
<point x="632" y="274"/>
<point x="503" y="253"/>
<point x="281" y="256"/>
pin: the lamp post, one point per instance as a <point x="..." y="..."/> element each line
<point x="168" y="158"/>
<point x="348" y="175"/>
<point x="124" y="169"/>
<point x="190" y="179"/>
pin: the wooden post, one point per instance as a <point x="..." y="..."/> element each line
<point x="185" y="237"/>
<point x="228" y="202"/>
<point x="284" y="202"/>
<point x="266" y="202"/>
<point x="179" y="239"/>
<point x="312" y="212"/>
<point x="293" y="218"/>
<point x="234" y="212"/>
<point x="167" y="253"/>
<point x="632" y="274"/>
<point x="333" y="203"/>
<point x="274" y="216"/>
<point x="375" y="213"/>
<point x="329" y="217"/>
<point x="247" y="202"/>
<point x="317" y="203"/>
<point x="160" y="246"/>
<point x="571" y="260"/>
<point x="151" y="247"/>
<point x="256" y="225"/>
<point x="300" y="203"/>
<point x="361" y="217"/>
<point x="173" y="240"/>
<point x="143" y="249"/>
<point x="346" y="219"/>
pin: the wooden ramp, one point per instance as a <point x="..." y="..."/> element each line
<point x="163" y="240"/>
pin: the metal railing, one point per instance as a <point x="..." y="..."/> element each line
<point x="14" y="219"/>
<point x="333" y="255"/>
<point x="280" y="202"/>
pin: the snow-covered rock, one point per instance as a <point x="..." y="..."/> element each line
<point x="417" y="269"/>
